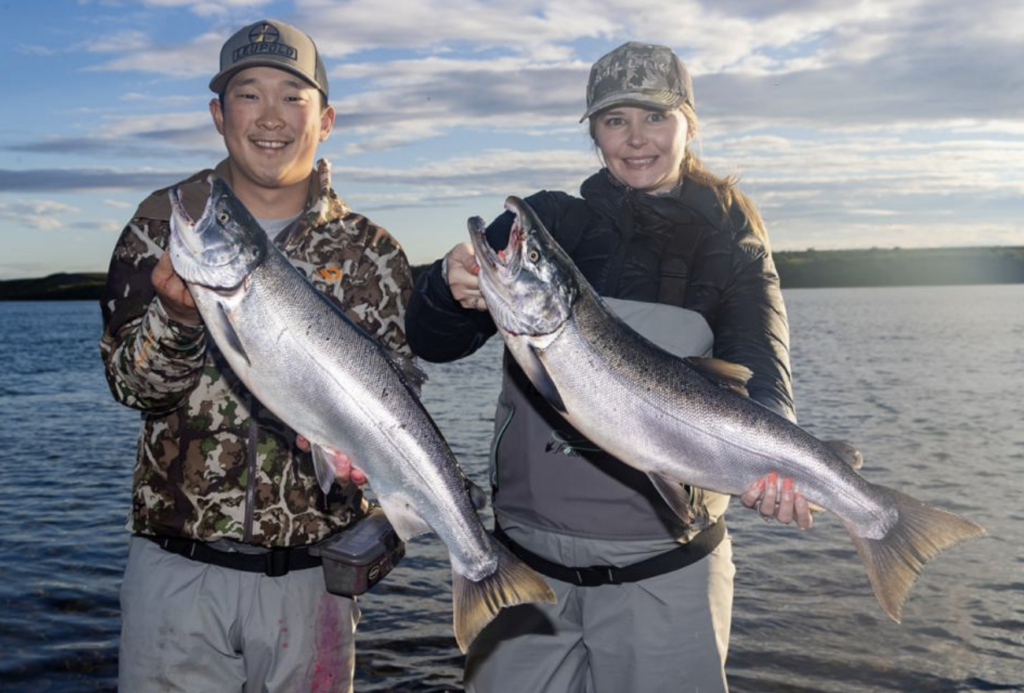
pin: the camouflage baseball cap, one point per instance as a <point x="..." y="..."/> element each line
<point x="270" y="43"/>
<point x="638" y="74"/>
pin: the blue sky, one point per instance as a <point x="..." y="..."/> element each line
<point x="875" y="123"/>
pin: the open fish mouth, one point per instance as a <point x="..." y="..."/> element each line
<point x="513" y="280"/>
<point x="182" y="225"/>
<point x="508" y="261"/>
<point x="214" y="250"/>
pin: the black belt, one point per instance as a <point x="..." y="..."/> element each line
<point x="273" y="563"/>
<point x="690" y="552"/>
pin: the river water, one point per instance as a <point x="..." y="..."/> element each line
<point x="927" y="382"/>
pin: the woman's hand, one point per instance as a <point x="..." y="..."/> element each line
<point x="461" y="273"/>
<point x="344" y="469"/>
<point x="784" y="504"/>
<point x="173" y="293"/>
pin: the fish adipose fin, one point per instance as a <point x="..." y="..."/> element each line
<point x="731" y="376"/>
<point x="846" y="452"/>
<point x="538" y="375"/>
<point x="676" y="495"/>
<point x="920" y="533"/>
<point x="475" y="604"/>
<point x="411" y="373"/>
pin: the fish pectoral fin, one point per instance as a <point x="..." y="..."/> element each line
<point x="676" y="495"/>
<point x="541" y="379"/>
<point x="731" y="376"/>
<point x="403" y="517"/>
<point x="324" y="467"/>
<point x="232" y="339"/>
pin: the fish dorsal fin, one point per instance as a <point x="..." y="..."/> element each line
<point x="731" y="376"/>
<point x="676" y="495"/>
<point x="540" y="378"/>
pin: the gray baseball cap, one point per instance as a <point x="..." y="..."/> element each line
<point x="638" y="74"/>
<point x="271" y="43"/>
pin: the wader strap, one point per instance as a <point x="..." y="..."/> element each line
<point x="690" y="552"/>
<point x="273" y="563"/>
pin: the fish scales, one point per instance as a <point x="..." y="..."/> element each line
<point x="674" y="415"/>
<point x="331" y="382"/>
<point x="663" y="416"/>
<point x="379" y="425"/>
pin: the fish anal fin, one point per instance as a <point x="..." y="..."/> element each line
<point x="731" y="376"/>
<point x="540" y="378"/>
<point x="920" y="533"/>
<point x="676" y="495"/>
<point x="475" y="604"/>
<point x="403" y="516"/>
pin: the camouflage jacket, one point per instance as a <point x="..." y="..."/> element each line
<point x="213" y="462"/>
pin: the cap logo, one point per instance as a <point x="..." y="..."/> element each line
<point x="632" y="63"/>
<point x="265" y="40"/>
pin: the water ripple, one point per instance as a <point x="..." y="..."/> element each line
<point x="878" y="367"/>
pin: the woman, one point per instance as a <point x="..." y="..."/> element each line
<point x="683" y="257"/>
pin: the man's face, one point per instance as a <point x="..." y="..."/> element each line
<point x="272" y="122"/>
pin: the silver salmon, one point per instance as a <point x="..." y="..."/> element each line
<point x="685" y="421"/>
<point x="315" y="369"/>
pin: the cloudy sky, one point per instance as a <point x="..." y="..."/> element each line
<point x="863" y="123"/>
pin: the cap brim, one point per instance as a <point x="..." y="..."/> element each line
<point x="642" y="99"/>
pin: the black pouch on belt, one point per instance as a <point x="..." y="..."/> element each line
<point x="357" y="558"/>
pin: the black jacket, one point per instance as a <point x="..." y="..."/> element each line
<point x="618" y="238"/>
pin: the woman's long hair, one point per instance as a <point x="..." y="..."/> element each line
<point x="725" y="188"/>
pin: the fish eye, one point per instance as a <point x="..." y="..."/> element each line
<point x="533" y="255"/>
<point x="223" y="217"/>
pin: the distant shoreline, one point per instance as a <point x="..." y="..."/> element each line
<point x="804" y="269"/>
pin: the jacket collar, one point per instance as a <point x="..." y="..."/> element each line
<point x="607" y="194"/>
<point x="323" y="206"/>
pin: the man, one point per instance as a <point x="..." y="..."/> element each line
<point x="220" y="592"/>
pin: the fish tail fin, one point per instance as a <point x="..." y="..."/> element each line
<point x="920" y="533"/>
<point x="475" y="604"/>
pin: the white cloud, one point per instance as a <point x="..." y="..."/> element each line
<point x="207" y="8"/>
<point x="43" y="215"/>
<point x="192" y="59"/>
<point x="118" y="204"/>
<point x="870" y="122"/>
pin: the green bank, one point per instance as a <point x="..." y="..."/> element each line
<point x="797" y="269"/>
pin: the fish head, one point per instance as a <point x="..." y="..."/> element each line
<point x="221" y="248"/>
<point x="531" y="285"/>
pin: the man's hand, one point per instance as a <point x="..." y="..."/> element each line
<point x="173" y="293"/>
<point x="343" y="467"/>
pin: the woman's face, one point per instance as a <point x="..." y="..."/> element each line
<point x="642" y="148"/>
